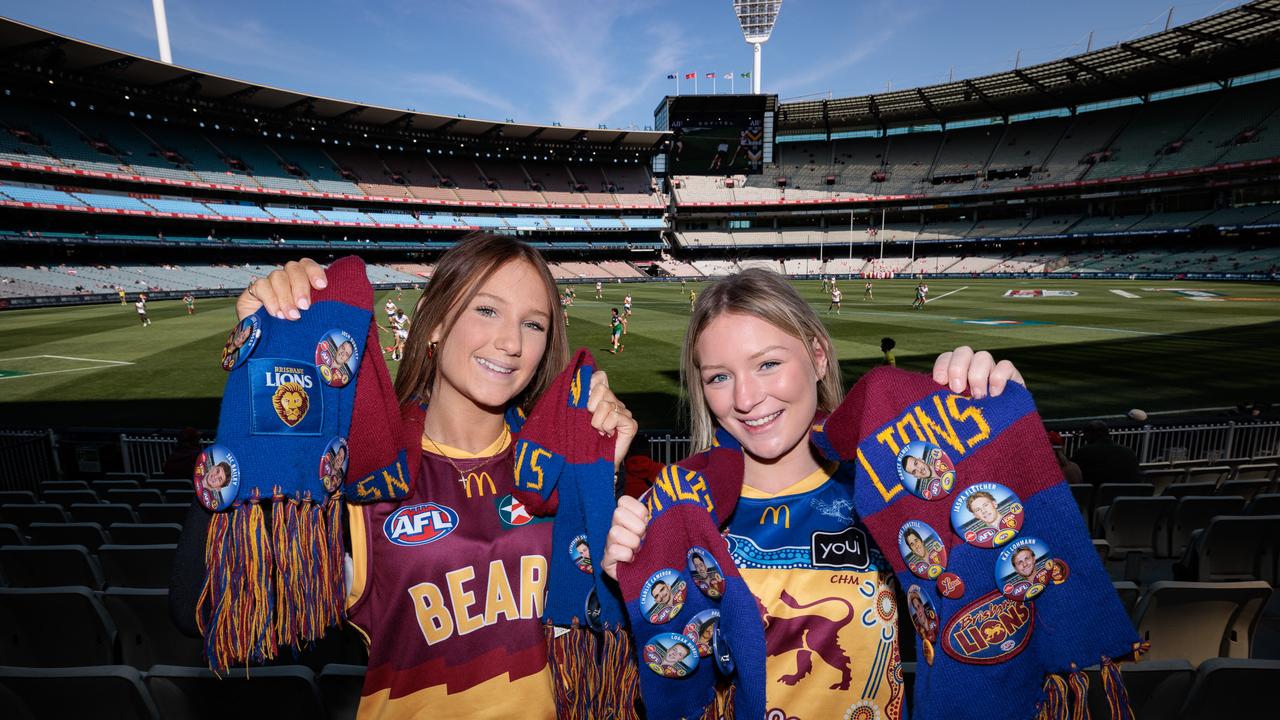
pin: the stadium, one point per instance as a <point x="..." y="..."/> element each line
<point x="1108" y="220"/>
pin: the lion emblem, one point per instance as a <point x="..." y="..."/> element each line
<point x="291" y="403"/>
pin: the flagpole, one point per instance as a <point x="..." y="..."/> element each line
<point x="695" y="83"/>
<point x="677" y="83"/>
<point x="713" y="83"/>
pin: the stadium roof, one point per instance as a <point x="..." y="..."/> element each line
<point x="21" y="43"/>
<point x="1235" y="42"/>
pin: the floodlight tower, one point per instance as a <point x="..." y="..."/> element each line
<point x="756" y="18"/>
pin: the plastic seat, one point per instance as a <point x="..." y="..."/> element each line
<point x="60" y="485"/>
<point x="146" y="634"/>
<point x="1182" y="490"/>
<point x="1244" y="488"/>
<point x="67" y="498"/>
<point x="1198" y="621"/>
<point x="165" y="485"/>
<point x="162" y="513"/>
<point x="1194" y="513"/>
<point x="145" y="533"/>
<point x="38" y="566"/>
<point x="1103" y="548"/>
<point x="340" y="687"/>
<point x="102" y="486"/>
<point x="54" y="627"/>
<point x="185" y="496"/>
<point x="1233" y="688"/>
<point x="137" y="566"/>
<point x="1157" y="689"/>
<point x="11" y="534"/>
<point x="1164" y="477"/>
<point x="135" y="497"/>
<point x="1212" y="474"/>
<point x="1128" y="592"/>
<point x="138" y="476"/>
<point x="1238" y="548"/>
<point x="90" y="535"/>
<point x="23" y="497"/>
<point x="1083" y="495"/>
<point x="23" y="514"/>
<point x="1106" y="492"/>
<point x="196" y="693"/>
<point x="1256" y="471"/>
<point x="1130" y="524"/>
<point x="114" y="692"/>
<point x="105" y="514"/>
<point x="1264" y="505"/>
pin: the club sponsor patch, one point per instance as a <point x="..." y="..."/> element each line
<point x="671" y="655"/>
<point x="847" y="549"/>
<point x="990" y="630"/>
<point x="286" y="398"/>
<point x="513" y="514"/>
<point x="1024" y="293"/>
<point x="420" y="524"/>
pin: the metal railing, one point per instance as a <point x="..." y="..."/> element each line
<point x="147" y="453"/>
<point x="27" y="457"/>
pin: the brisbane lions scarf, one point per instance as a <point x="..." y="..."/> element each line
<point x="965" y="499"/>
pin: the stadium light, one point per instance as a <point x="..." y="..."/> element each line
<point x="756" y="17"/>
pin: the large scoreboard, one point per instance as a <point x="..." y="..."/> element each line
<point x="716" y="134"/>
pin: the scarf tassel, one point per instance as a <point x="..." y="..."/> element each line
<point x="1113" y="684"/>
<point x="593" y="674"/>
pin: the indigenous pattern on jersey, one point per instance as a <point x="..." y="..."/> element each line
<point x="448" y="589"/>
<point x="827" y="594"/>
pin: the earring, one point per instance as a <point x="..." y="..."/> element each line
<point x="431" y="349"/>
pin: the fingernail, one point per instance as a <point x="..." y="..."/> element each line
<point x="279" y="315"/>
<point x="304" y="303"/>
<point x="321" y="282"/>
<point x="956" y="386"/>
<point x="294" y="314"/>
<point x="978" y="394"/>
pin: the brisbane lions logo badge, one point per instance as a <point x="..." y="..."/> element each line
<point x="291" y="403"/>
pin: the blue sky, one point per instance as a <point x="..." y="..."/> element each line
<point x="586" y="62"/>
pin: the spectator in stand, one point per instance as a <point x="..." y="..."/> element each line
<point x="1102" y="460"/>
<point x="181" y="463"/>
<point x="1070" y="470"/>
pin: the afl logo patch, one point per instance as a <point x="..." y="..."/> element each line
<point x="990" y="630"/>
<point x="420" y="524"/>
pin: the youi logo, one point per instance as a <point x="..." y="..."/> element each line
<point x="420" y="524"/>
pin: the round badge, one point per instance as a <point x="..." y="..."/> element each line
<point x="217" y="477"/>
<point x="337" y="357"/>
<point x="671" y="655"/>
<point x="706" y="572"/>
<point x="950" y="586"/>
<point x="663" y="596"/>
<point x="592" y="611"/>
<point x="1058" y="571"/>
<point x="987" y="515"/>
<point x="333" y="465"/>
<point x="580" y="553"/>
<point x="1022" y="568"/>
<point x="923" y="616"/>
<point x="926" y="470"/>
<point x="701" y="629"/>
<point x="927" y="651"/>
<point x="922" y="550"/>
<point x="722" y="653"/>
<point x="240" y="342"/>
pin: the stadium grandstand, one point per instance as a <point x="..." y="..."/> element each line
<point x="1155" y="159"/>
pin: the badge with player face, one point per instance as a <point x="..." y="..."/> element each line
<point x="663" y="596"/>
<point x="701" y="629"/>
<point x="922" y="550"/>
<point x="337" y="357"/>
<point x="1022" y="570"/>
<point x="987" y="515"/>
<point x="671" y="655"/>
<point x="706" y="572"/>
<point x="926" y="471"/>
<point x="333" y="465"/>
<point x="217" y="478"/>
<point x="580" y="553"/>
<point x="240" y="342"/>
<point x="923" y="616"/>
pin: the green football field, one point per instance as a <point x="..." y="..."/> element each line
<point x="1171" y="346"/>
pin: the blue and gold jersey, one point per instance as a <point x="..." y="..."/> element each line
<point x="827" y="595"/>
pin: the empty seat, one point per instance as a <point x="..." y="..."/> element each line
<point x="105" y="514"/>
<point x="1197" y="621"/>
<point x="67" y="498"/>
<point x="1103" y="548"/>
<point x="1130" y="524"/>
<point x="340" y="687"/>
<point x="1244" y="488"/>
<point x="1194" y="513"/>
<point x="54" y="627"/>
<point x="11" y="534"/>
<point x="145" y="533"/>
<point x="146" y="634"/>
<point x="181" y="692"/>
<point x="1212" y="474"/>
<point x="185" y="496"/>
<point x="165" y="484"/>
<point x="1256" y="471"/>
<point x="1157" y="689"/>
<point x="25" y="497"/>
<point x="102" y="486"/>
<point x="1182" y="490"/>
<point x="162" y="513"/>
<point x="135" y="497"/>
<point x="137" y="566"/>
<point x="57" y="485"/>
<point x="1128" y="592"/>
<point x="1233" y="688"/>
<point x="1238" y="548"/>
<point x="1163" y="478"/>
<point x="1264" y="505"/>
<point x="1106" y="492"/>
<point x="23" y="514"/>
<point x="90" y="535"/>
<point x="34" y="566"/>
<point x="138" y="476"/>
<point x="111" y="692"/>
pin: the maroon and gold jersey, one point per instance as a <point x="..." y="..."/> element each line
<point x="448" y="589"/>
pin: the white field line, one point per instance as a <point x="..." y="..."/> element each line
<point x="99" y="366"/>
<point x="1126" y="294"/>
<point x="953" y="292"/>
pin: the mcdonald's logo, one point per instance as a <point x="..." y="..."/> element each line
<point x="479" y="480"/>
<point x="777" y="510"/>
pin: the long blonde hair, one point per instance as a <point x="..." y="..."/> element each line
<point x="458" y="275"/>
<point x="766" y="295"/>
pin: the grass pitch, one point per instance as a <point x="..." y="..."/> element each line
<point x="1174" y="346"/>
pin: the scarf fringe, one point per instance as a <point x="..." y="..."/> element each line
<point x="1068" y="698"/>
<point x="266" y="589"/>
<point x="593" y="674"/>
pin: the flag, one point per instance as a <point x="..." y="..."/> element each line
<point x="728" y="76"/>
<point x="745" y="75"/>
<point x="671" y="76"/>
<point x="690" y="76"/>
<point x="711" y="76"/>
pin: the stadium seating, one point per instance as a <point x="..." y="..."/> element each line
<point x="1198" y="621"/>
<point x="1232" y="687"/>
<point x="54" y="627"/>
<point x="290" y="692"/>
<point x="111" y="692"/>
<point x="136" y="566"/>
<point x="146" y="635"/>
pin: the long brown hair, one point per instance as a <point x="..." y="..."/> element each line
<point x="458" y="275"/>
<point x="766" y="295"/>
